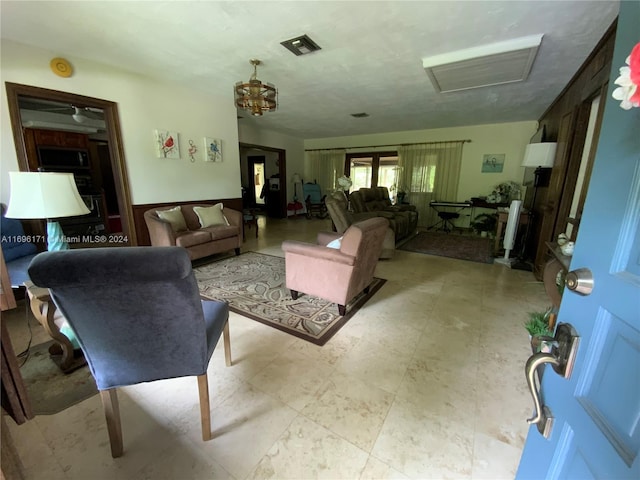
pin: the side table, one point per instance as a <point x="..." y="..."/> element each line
<point x="46" y="312"/>
<point x="295" y="207"/>
<point x="249" y="219"/>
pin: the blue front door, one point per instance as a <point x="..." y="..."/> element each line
<point x="596" y="431"/>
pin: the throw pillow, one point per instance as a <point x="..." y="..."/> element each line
<point x="174" y="217"/>
<point x="335" y="243"/>
<point x="210" y="216"/>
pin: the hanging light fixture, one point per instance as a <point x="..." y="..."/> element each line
<point x="254" y="95"/>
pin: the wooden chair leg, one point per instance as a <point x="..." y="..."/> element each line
<point x="205" y="411"/>
<point x="227" y="344"/>
<point x="112" y="414"/>
<point x="342" y="310"/>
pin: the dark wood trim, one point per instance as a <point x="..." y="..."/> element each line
<point x="600" y="56"/>
<point x="114" y="135"/>
<point x="282" y="172"/>
<point x="15" y="400"/>
<point x="564" y="122"/>
<point x="142" y="234"/>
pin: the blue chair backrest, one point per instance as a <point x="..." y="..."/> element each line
<point x="135" y="310"/>
<point x="313" y="191"/>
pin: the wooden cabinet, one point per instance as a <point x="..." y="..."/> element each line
<point x="35" y="138"/>
<point x="57" y="138"/>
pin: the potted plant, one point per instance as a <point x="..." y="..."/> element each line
<point x="485" y="223"/>
<point x="538" y="328"/>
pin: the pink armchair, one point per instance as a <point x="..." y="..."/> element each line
<point x="336" y="274"/>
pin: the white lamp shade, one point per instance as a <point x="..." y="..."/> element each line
<point x="44" y="195"/>
<point x="296" y="178"/>
<point x="540" y="155"/>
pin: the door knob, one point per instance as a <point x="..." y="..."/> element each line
<point x="580" y="281"/>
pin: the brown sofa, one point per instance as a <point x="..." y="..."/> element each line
<point x="199" y="242"/>
<point x="336" y="274"/>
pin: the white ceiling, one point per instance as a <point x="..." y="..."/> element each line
<point x="371" y="57"/>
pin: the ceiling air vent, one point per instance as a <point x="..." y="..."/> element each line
<point x="300" y="45"/>
<point x="360" y="115"/>
<point x="483" y="66"/>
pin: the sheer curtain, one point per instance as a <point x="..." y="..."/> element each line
<point x="324" y="167"/>
<point x="429" y="171"/>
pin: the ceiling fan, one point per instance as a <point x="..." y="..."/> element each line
<point x="82" y="114"/>
<point x="77" y="113"/>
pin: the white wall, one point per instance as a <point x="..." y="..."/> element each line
<point x="506" y="138"/>
<point x="144" y="105"/>
<point x="294" y="149"/>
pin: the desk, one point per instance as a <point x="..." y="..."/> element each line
<point x="502" y="222"/>
<point x="440" y="206"/>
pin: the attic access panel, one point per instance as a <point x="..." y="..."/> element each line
<point x="483" y="66"/>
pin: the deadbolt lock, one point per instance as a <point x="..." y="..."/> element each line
<point x="580" y="281"/>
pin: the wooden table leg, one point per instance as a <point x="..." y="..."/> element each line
<point x="44" y="310"/>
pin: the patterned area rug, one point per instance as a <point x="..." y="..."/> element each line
<point x="464" y="247"/>
<point x="254" y="285"/>
<point x="50" y="390"/>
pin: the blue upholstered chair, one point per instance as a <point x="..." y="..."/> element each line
<point x="138" y="316"/>
<point x="17" y="252"/>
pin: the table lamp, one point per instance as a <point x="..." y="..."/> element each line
<point x="45" y="195"/>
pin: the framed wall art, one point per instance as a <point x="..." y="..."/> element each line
<point x="492" y="162"/>
<point x="167" y="144"/>
<point x="213" y="148"/>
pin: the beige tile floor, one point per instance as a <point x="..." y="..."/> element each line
<point x="425" y="381"/>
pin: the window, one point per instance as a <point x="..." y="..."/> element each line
<point x="378" y="169"/>
<point x="423" y="179"/>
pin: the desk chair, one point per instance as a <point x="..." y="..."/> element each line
<point x="138" y="317"/>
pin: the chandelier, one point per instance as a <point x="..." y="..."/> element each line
<point x="254" y="95"/>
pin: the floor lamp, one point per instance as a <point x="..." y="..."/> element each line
<point x="538" y="156"/>
<point x="40" y="195"/>
<point x="296" y="179"/>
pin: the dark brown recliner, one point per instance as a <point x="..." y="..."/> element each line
<point x="342" y="218"/>
<point x="377" y="200"/>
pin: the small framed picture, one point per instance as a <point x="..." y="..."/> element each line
<point x="492" y="163"/>
<point x="167" y="144"/>
<point x="213" y="149"/>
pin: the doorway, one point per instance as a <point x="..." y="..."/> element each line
<point x="257" y="176"/>
<point x="109" y="162"/>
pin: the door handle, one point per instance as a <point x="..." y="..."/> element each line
<point x="542" y="416"/>
<point x="564" y="347"/>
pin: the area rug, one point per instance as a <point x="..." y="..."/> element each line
<point x="49" y="389"/>
<point x="463" y="247"/>
<point x="254" y="285"/>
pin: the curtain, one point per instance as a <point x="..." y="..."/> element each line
<point x="324" y="167"/>
<point x="428" y="172"/>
